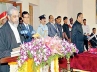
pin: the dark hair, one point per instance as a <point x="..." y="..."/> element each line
<point x="84" y="19"/>
<point x="65" y="18"/>
<point x="93" y="28"/>
<point x="42" y="17"/>
<point x="71" y="19"/>
<point x="20" y="18"/>
<point x="58" y="17"/>
<point x="79" y="14"/>
<point x="50" y="16"/>
<point x="24" y="12"/>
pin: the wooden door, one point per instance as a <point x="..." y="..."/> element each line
<point x="31" y="14"/>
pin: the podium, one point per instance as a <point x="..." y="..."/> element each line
<point x="9" y="60"/>
<point x="14" y="67"/>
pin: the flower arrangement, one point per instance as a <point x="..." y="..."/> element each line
<point x="68" y="49"/>
<point x="45" y="50"/>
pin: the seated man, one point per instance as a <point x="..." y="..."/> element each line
<point x="93" y="39"/>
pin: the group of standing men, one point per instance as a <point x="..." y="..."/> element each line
<point x="12" y="34"/>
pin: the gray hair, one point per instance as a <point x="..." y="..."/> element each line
<point x="11" y="9"/>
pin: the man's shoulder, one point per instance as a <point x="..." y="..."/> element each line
<point x="91" y="34"/>
<point x="65" y="24"/>
<point x="30" y="25"/>
<point x="4" y="28"/>
<point x="75" y="24"/>
<point x="5" y="25"/>
<point x="48" y="24"/>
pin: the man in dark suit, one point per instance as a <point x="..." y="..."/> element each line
<point x="9" y="36"/>
<point x="77" y="36"/>
<point x="66" y="29"/>
<point x="93" y="41"/>
<point x="52" y="29"/>
<point x="26" y="27"/>
<point x="59" y="26"/>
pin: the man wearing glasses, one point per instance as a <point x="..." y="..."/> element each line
<point x="26" y="30"/>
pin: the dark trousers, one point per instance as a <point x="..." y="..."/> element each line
<point x="86" y="44"/>
<point x="4" y="68"/>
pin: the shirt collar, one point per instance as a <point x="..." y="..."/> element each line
<point x="12" y="25"/>
<point x="25" y="24"/>
<point x="42" y="25"/>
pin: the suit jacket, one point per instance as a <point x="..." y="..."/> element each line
<point x="27" y="37"/>
<point x="7" y="40"/>
<point x="52" y="30"/>
<point x="93" y="41"/>
<point x="59" y="26"/>
<point x="77" y="36"/>
<point x="66" y="30"/>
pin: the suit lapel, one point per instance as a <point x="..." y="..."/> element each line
<point x="11" y="36"/>
<point x="54" y="27"/>
<point x="80" y="28"/>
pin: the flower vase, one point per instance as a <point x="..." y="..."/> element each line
<point x="68" y="65"/>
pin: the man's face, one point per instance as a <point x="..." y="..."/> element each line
<point x="59" y="20"/>
<point x="14" y="18"/>
<point x="4" y="20"/>
<point x="66" y="21"/>
<point x="84" y="22"/>
<point x="80" y="18"/>
<point x="71" y="22"/>
<point x="43" y="21"/>
<point x="94" y="31"/>
<point x="51" y="19"/>
<point x="26" y="18"/>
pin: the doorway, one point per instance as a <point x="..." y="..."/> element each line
<point x="31" y="14"/>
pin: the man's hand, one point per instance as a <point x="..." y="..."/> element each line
<point x="69" y="40"/>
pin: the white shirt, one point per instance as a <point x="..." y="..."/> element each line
<point x="86" y="29"/>
<point x="70" y="27"/>
<point x="16" y="33"/>
<point x="92" y="37"/>
<point x="27" y="26"/>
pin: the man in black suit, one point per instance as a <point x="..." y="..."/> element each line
<point x="77" y="36"/>
<point x="9" y="36"/>
<point x="93" y="41"/>
<point x="66" y="29"/>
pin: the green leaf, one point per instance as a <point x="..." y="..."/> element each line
<point x="29" y="54"/>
